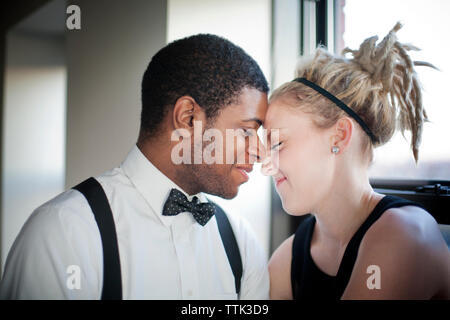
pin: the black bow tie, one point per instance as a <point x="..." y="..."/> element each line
<point x="177" y="202"/>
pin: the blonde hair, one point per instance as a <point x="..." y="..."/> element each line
<point x="379" y="83"/>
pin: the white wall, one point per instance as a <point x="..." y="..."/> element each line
<point x="33" y="129"/>
<point x="247" y="24"/>
<point x="106" y="61"/>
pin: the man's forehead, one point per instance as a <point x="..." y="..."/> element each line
<point x="251" y="106"/>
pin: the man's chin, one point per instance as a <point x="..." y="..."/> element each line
<point x="230" y="196"/>
<point x="226" y="194"/>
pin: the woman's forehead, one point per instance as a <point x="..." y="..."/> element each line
<point x="286" y="118"/>
<point x="277" y="115"/>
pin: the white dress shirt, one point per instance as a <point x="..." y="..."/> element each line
<point x="161" y="257"/>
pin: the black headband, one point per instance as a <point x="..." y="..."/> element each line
<point x="340" y="104"/>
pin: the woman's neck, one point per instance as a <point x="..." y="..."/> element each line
<point x="342" y="211"/>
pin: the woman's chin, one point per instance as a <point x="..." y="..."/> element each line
<point x="293" y="210"/>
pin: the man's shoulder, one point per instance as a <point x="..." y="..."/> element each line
<point x="116" y="182"/>
<point x="238" y="223"/>
<point x="65" y="212"/>
<point x="243" y="231"/>
<point x="59" y="233"/>
<point x="70" y="208"/>
<point x="254" y="259"/>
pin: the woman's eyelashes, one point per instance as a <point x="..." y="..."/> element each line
<point x="276" y="146"/>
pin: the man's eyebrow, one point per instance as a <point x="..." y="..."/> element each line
<point x="258" y="121"/>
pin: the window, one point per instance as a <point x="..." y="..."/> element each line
<point x="426" y="25"/>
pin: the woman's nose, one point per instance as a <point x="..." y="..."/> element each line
<point x="268" y="167"/>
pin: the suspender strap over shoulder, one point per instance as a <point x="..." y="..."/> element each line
<point x="112" y="279"/>
<point x="231" y="246"/>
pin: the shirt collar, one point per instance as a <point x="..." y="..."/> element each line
<point x="151" y="183"/>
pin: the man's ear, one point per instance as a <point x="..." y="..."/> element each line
<point x="342" y="134"/>
<point x="185" y="112"/>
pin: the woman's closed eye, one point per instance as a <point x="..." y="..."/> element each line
<point x="276" y="146"/>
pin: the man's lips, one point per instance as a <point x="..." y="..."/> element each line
<point x="280" y="180"/>
<point x="244" y="170"/>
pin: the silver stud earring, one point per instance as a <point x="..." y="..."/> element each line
<point x="335" y="149"/>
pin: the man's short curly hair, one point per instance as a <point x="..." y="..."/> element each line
<point x="210" y="69"/>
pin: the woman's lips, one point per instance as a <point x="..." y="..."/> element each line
<point x="280" y="181"/>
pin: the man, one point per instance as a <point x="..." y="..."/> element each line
<point x="202" y="81"/>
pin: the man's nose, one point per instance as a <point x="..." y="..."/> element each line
<point x="257" y="151"/>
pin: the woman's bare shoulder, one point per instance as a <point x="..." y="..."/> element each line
<point x="280" y="271"/>
<point x="408" y="225"/>
<point x="403" y="243"/>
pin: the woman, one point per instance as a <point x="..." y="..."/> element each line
<point x="357" y="244"/>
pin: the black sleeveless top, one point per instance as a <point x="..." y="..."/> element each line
<point x="307" y="280"/>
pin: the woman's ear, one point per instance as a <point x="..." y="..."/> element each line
<point x="185" y="112"/>
<point x="342" y="135"/>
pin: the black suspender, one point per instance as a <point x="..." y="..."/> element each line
<point x="230" y="244"/>
<point x="112" y="278"/>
